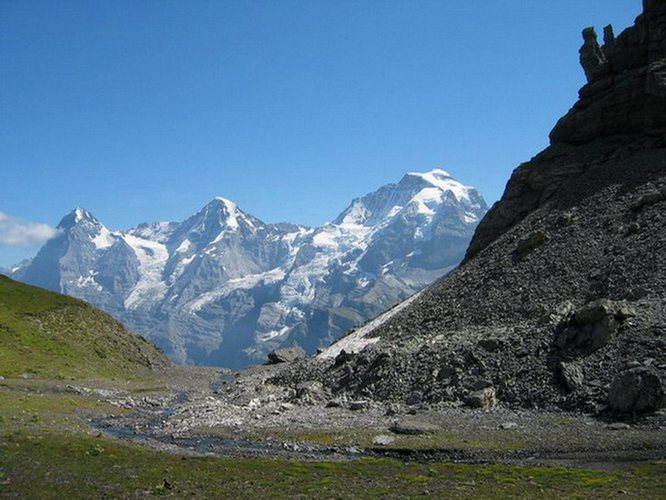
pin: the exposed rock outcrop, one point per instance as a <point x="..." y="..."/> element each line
<point x="626" y="82"/>
<point x="625" y="97"/>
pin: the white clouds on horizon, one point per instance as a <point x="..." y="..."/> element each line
<point x="17" y="232"/>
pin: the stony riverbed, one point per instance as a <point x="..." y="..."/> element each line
<point x="207" y="411"/>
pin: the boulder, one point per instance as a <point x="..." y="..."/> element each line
<point x="595" y="335"/>
<point x="572" y="375"/>
<point x="592" y="325"/>
<point x="637" y="390"/>
<point x="285" y="355"/>
<point x="414" y="427"/>
<point x="359" y="405"/>
<point x="483" y="398"/>
<point x="649" y="198"/>
<point x="594" y="311"/>
<point x="312" y="392"/>
<point x="344" y="357"/>
<point x="531" y="241"/>
<point x="383" y="440"/>
<point x="508" y="425"/>
<point x="490" y="344"/>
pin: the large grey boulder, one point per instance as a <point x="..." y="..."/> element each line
<point x="572" y="375"/>
<point x="483" y="398"/>
<point x="312" y="392"/>
<point x="414" y="427"/>
<point x="285" y="355"/>
<point x="637" y="390"/>
<point x="592" y="326"/>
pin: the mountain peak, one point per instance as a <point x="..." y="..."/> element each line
<point x="217" y="218"/>
<point x="223" y="213"/>
<point x="224" y="201"/>
<point x="436" y="172"/>
<point x="80" y="223"/>
<point x="442" y="180"/>
<point x="81" y="213"/>
<point x="220" y="203"/>
<point x="417" y="192"/>
<point x="76" y="216"/>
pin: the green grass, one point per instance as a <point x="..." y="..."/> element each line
<point x="48" y="335"/>
<point x="25" y="410"/>
<point x="54" y="465"/>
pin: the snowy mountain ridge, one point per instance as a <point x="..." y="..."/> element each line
<point x="224" y="288"/>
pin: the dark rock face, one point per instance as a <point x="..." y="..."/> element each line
<point x="566" y="273"/>
<point x="625" y="96"/>
<point x="626" y="82"/>
<point x="592" y="58"/>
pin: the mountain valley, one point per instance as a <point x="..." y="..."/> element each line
<point x="419" y="345"/>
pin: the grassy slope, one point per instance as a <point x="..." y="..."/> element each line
<point x="54" y="336"/>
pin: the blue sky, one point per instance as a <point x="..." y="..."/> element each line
<point x="145" y="110"/>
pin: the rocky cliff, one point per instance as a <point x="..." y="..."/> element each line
<point x="624" y="101"/>
<point x="561" y="298"/>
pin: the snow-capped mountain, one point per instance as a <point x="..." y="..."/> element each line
<point x="224" y="288"/>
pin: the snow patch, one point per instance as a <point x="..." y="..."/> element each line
<point x="88" y="282"/>
<point x="326" y="238"/>
<point x="266" y="336"/>
<point x="427" y="200"/>
<point x="249" y="281"/>
<point x="80" y="214"/>
<point x="443" y="180"/>
<point x="470" y="218"/>
<point x="184" y="246"/>
<point x="152" y="258"/>
<point x="234" y="216"/>
<point x="104" y="239"/>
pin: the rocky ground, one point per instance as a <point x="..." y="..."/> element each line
<point x="210" y="411"/>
